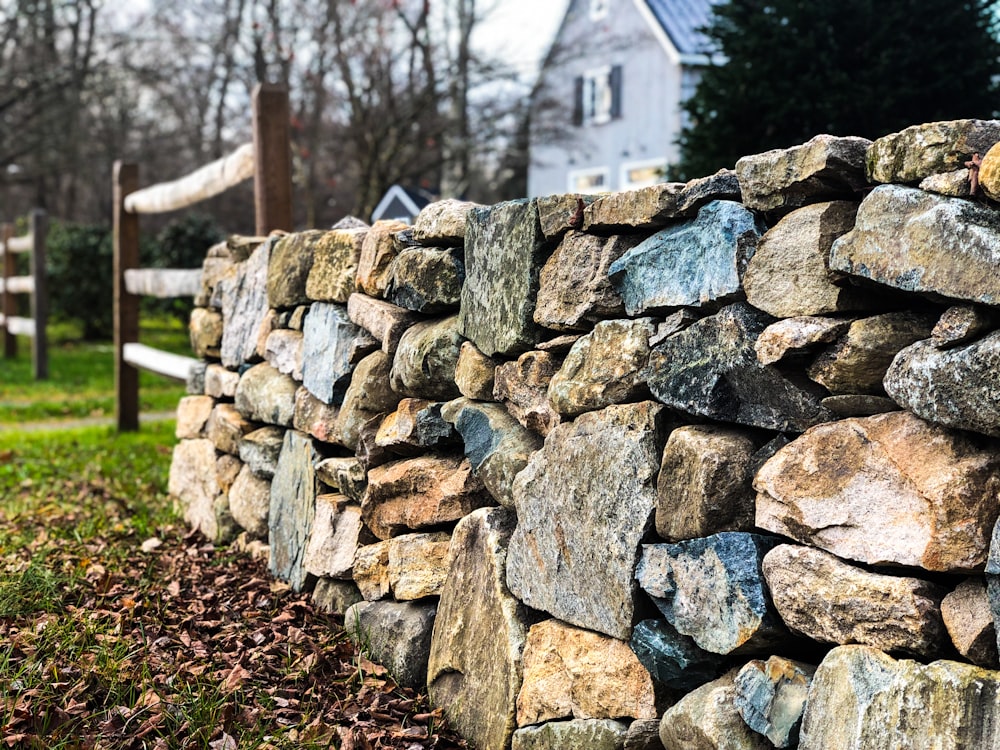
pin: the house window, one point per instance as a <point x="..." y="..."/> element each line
<point x="598" y="96"/>
<point x="599" y="9"/>
<point x="589" y="180"/>
<point x="643" y="173"/>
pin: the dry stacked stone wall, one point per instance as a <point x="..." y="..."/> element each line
<point x="702" y="465"/>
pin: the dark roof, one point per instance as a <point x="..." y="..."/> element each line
<point x="683" y="21"/>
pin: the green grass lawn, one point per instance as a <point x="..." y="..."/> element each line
<point x="81" y="377"/>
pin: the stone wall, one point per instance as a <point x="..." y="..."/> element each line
<point x="671" y="466"/>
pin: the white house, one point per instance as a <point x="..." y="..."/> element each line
<point x="607" y="107"/>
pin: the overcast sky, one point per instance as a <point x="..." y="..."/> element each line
<point x="522" y="30"/>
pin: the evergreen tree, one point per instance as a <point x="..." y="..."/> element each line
<point x="797" y="68"/>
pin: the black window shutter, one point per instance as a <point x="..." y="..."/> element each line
<point x="578" y="100"/>
<point x="616" y="92"/>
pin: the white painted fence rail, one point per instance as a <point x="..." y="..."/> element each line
<point x="163" y="282"/>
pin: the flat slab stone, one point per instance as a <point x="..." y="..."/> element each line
<point x="674" y="660"/>
<point x="383" y="320"/>
<point x="827" y="600"/>
<point x="771" y="697"/>
<point x="474" y="670"/>
<point x="697" y="263"/>
<point x="884" y="490"/>
<point x="643" y="208"/>
<point x="397" y="635"/>
<point x="335" y="264"/>
<point x="244" y="307"/>
<point x="723" y="185"/>
<point x="593" y="734"/>
<point x="293" y="506"/>
<point x="860" y="697"/>
<point x="575" y="547"/>
<point x="923" y="150"/>
<point x="793" y="336"/>
<point x="707" y="719"/>
<point x="558" y="214"/>
<point x="331" y="349"/>
<point x="921" y="242"/>
<point x="504" y="254"/>
<point x="713" y="590"/>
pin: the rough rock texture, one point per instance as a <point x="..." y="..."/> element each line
<point x="474" y="671"/>
<point x="397" y="635"/>
<point x="705" y="483"/>
<point x="331" y="350"/>
<point x="314" y="417"/>
<point x="569" y="672"/>
<point x="265" y="395"/>
<point x="427" y="280"/>
<point x="419" y="492"/>
<point x="922" y="150"/>
<point x="823" y="168"/>
<point x="920" y="242"/>
<point x="283" y="351"/>
<point x="415" y="426"/>
<point x="793" y="336"/>
<point x="244" y="307"/>
<point x="643" y="208"/>
<point x="857" y="362"/>
<point x="674" y="661"/>
<point x="558" y="214"/>
<point x="966" y="614"/>
<point x="260" y="449"/>
<point x="953" y="184"/>
<point x="335" y="265"/>
<point x="888" y="489"/>
<point x="424" y="365"/>
<point x="861" y="698"/>
<point x="336" y="533"/>
<point x="643" y="734"/>
<point x="707" y="719"/>
<point x="771" y="697"/>
<point x="574" y="288"/>
<point x="953" y="387"/>
<point x="205" y="328"/>
<point x="830" y="601"/>
<point x="226" y="427"/>
<point x="293" y="505"/>
<point x="789" y="274"/>
<point x="504" y="253"/>
<point x="523" y="387"/>
<point x="250" y="501"/>
<point x="989" y="172"/>
<point x="593" y="734"/>
<point x="383" y="320"/>
<point x="335" y="597"/>
<point x="442" y="222"/>
<point x="713" y="590"/>
<point x="368" y="397"/>
<point x="607" y="366"/>
<point x="418" y="565"/>
<point x="575" y="547"/>
<point x="227" y="469"/>
<point x="192" y="414"/>
<point x="961" y="324"/>
<point x="194" y="483"/>
<point x="371" y="571"/>
<point x="710" y="369"/>
<point x="475" y="373"/>
<point x="377" y="252"/>
<point x="698" y="263"/>
<point x="220" y="382"/>
<point x="291" y="260"/>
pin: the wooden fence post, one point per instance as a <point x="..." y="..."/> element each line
<point x="9" y="307"/>
<point x="40" y="297"/>
<point x="126" y="306"/>
<point x="272" y="180"/>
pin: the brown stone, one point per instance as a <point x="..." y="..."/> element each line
<point x="368" y="396"/>
<point x="337" y="532"/>
<point x="377" y="252"/>
<point x="335" y="265"/>
<point x="418" y="565"/>
<point x="989" y="172"/>
<point x="961" y="324"/>
<point x="475" y="373"/>
<point x="523" y="385"/>
<point x="793" y="336"/>
<point x="192" y="414"/>
<point x="290" y="265"/>
<point x="929" y="148"/>
<point x="707" y="719"/>
<point x="557" y="214"/>
<point x="414" y="427"/>
<point x="371" y="571"/>
<point x="442" y="222"/>
<point x="966" y="613"/>
<point x="195" y="485"/>
<point x="265" y="395"/>
<point x="249" y="502"/>
<point x="383" y="320"/>
<point x="644" y="208"/>
<point x="226" y="427"/>
<point x="205" y="327"/>
<point x="227" y="468"/>
<point x="220" y="382"/>
<point x="314" y="417"/>
<point x="954" y="184"/>
<point x="425" y="361"/>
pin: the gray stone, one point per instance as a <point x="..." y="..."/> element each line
<point x="698" y="263"/>
<point x="475" y="373"/>
<point x="335" y="264"/>
<point x="330" y="352"/>
<point x="607" y="366"/>
<point x="861" y="698"/>
<point x="523" y="386"/>
<point x="961" y="324"/>
<point x="265" y="395"/>
<point x="415" y="427"/>
<point x="427" y="280"/>
<point x="920" y="242"/>
<point x="707" y="719"/>
<point x="293" y="505"/>
<point x="857" y="362"/>
<point x="250" y="502"/>
<point x="244" y="307"/>
<point x="923" y="150"/>
<point x="560" y="344"/>
<point x="474" y="671"/>
<point x="789" y="275"/>
<point x="827" y="600"/>
<point x="335" y="597"/>
<point x="334" y="537"/>
<point x="705" y="483"/>
<point x="558" y="214"/>
<point x="377" y="252"/>
<point x="194" y="384"/>
<point x="710" y="369"/>
<point x="954" y="387"/>
<point x="673" y="323"/>
<point x="192" y="415"/>
<point x="291" y="261"/>
<point x="889" y="489"/>
<point x="205" y="328"/>
<point x="260" y="449"/>
<point x="771" y="698"/>
<point x="793" y="336"/>
<point x="383" y="320"/>
<point x="371" y="571"/>
<point x="643" y="734"/>
<point x="723" y="185"/>
<point x="574" y="288"/>
<point x="397" y="635"/>
<point x="858" y="405"/>
<point x="643" y="208"/>
<point x="675" y="661"/>
<point x="226" y="427"/>
<point x="283" y="351"/>
<point x="315" y="418"/>
<point x="823" y="168"/>
<point x="424" y="364"/>
<point x="497" y="446"/>
<point x="227" y="469"/>
<point x="350" y="222"/>
<point x="345" y="474"/>
<point x="713" y="590"/>
<point x="575" y="547"/>
<point x="220" y="382"/>
<point x="593" y="734"/>
<point x="442" y="222"/>
<point x="953" y="184"/>
<point x="504" y="253"/>
<point x="368" y="396"/>
<point x="218" y="263"/>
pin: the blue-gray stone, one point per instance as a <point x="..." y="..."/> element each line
<point x="710" y="369"/>
<point x="713" y="589"/>
<point x="329" y="351"/>
<point x="675" y="661"/>
<point x="696" y="263"/>
<point x="396" y="635"/>
<point x="771" y="698"/>
<point x="593" y="734"/>
<point x="293" y="507"/>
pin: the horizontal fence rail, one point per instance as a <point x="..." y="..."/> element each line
<point x="35" y="286"/>
<point x="163" y="282"/>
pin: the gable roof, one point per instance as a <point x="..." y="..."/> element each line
<point x="683" y="20"/>
<point x="398" y="197"/>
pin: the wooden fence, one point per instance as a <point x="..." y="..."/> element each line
<point x="34" y="285"/>
<point x="267" y="159"/>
